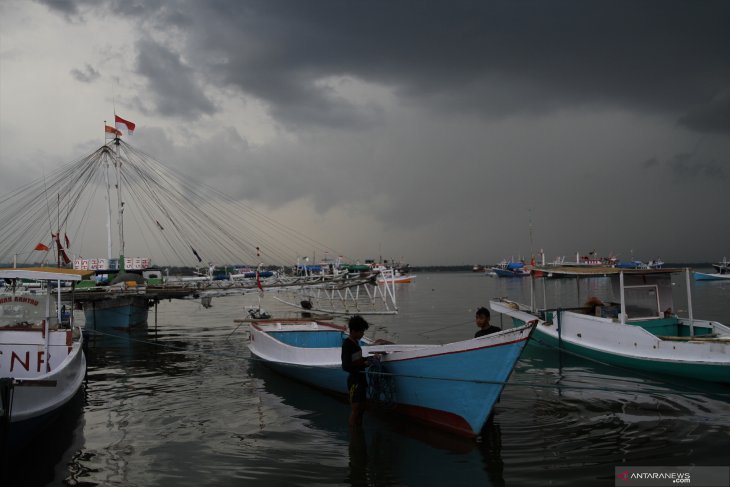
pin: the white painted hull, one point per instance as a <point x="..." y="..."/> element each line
<point x="38" y="394"/>
<point x="632" y="346"/>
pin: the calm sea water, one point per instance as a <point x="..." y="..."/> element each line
<point x="183" y="404"/>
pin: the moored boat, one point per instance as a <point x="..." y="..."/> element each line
<point x="397" y="278"/>
<point x="638" y="330"/>
<point x="511" y="269"/>
<point x="452" y="387"/>
<point x="722" y="272"/>
<point x="42" y="364"/>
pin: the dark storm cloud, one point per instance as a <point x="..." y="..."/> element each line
<point x="491" y="58"/>
<point x="173" y="85"/>
<point x="86" y="75"/>
<point x="686" y="166"/>
<point x="66" y="7"/>
<point x="712" y="117"/>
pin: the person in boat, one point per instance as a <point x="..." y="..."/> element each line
<point x="482" y="321"/>
<point x="594" y="305"/>
<point x="355" y="364"/>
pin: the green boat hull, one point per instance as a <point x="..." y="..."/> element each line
<point x="698" y="371"/>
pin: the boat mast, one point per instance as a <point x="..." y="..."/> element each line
<point x="120" y="203"/>
<point x="689" y="303"/>
<point x="109" y="215"/>
<point x="623" y="298"/>
<point x="58" y="228"/>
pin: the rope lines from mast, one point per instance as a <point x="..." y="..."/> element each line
<point x="177" y="221"/>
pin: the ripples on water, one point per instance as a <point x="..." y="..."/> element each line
<point x="183" y="404"/>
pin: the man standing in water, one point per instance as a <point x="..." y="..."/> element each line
<point x="354" y="363"/>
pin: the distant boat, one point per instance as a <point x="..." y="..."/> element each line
<point x="510" y="269"/>
<point x="452" y="387"/>
<point x="723" y="272"/>
<point x="391" y="275"/>
<point x="591" y="260"/>
<point x="640" y="331"/>
<point x="637" y="264"/>
<point x="398" y="278"/>
<point x="42" y="364"/>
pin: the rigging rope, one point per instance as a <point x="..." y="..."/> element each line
<point x="195" y="215"/>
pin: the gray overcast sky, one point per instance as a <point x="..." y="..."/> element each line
<point x="431" y="131"/>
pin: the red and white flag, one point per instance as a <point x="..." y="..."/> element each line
<point x="111" y="130"/>
<point x="122" y="124"/>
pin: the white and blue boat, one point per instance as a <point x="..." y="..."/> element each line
<point x="452" y="387"/>
<point x="722" y="272"/>
<point x="511" y="269"/>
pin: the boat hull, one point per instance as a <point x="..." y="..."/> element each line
<point x="632" y="346"/>
<point x="37" y="398"/>
<point x="702" y="276"/>
<point x="118" y="313"/>
<point x="510" y="273"/>
<point x="398" y="280"/>
<point x="453" y="387"/>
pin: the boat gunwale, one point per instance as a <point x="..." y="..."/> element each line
<point x="390" y="356"/>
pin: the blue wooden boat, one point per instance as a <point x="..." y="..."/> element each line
<point x="452" y="387"/>
<point x="121" y="311"/>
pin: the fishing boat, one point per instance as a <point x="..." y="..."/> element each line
<point x="452" y="387"/>
<point x="637" y="264"/>
<point x="510" y="269"/>
<point x="42" y="364"/>
<point x="396" y="278"/>
<point x="638" y="330"/>
<point x="722" y="272"/>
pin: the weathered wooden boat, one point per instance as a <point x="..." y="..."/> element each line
<point x="638" y="331"/>
<point x="42" y="364"/>
<point x="452" y="387"/>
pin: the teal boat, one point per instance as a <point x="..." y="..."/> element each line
<point x="639" y="331"/>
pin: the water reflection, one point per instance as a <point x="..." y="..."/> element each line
<point x="391" y="450"/>
<point x="55" y="446"/>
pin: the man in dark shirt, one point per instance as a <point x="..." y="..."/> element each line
<point x="354" y="363"/>
<point x="482" y="321"/>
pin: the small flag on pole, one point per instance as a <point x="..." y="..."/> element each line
<point x="121" y="124"/>
<point x="112" y="130"/>
<point x="41" y="248"/>
<point x="258" y="281"/>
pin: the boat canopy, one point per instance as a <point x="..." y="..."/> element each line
<point x="44" y="274"/>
